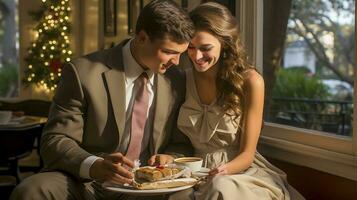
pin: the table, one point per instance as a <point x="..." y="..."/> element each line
<point x="17" y="141"/>
<point x="23" y="122"/>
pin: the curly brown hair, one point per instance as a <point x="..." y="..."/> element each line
<point x="218" y="21"/>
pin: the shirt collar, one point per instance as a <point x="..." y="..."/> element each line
<point x="131" y="68"/>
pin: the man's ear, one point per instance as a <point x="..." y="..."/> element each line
<point x="142" y="37"/>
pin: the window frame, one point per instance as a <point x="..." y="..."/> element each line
<point x="26" y="36"/>
<point x="19" y="70"/>
<point x="315" y="149"/>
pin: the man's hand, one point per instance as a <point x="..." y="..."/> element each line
<point x="112" y="169"/>
<point x="160" y="159"/>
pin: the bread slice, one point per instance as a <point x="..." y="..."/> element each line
<point x="154" y="174"/>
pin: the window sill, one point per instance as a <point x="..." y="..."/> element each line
<point x="321" y="140"/>
<point x="331" y="162"/>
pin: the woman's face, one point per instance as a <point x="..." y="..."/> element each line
<point x="204" y="50"/>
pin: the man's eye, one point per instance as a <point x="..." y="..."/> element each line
<point x="168" y="52"/>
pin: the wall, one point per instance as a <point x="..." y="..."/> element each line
<point x="317" y="185"/>
<point x="85" y="36"/>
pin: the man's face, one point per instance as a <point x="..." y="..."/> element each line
<point x="160" y="54"/>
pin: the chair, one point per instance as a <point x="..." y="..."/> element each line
<point x="7" y="184"/>
<point x="33" y="107"/>
<point x="14" y="145"/>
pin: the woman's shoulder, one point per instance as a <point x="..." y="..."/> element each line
<point x="252" y="79"/>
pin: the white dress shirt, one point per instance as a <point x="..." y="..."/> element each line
<point x="132" y="71"/>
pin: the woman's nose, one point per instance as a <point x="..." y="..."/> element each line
<point x="198" y="55"/>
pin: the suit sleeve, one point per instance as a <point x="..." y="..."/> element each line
<point x="63" y="133"/>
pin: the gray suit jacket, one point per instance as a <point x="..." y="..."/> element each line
<point x="87" y="116"/>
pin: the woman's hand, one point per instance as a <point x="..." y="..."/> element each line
<point x="221" y="170"/>
<point x="160" y="159"/>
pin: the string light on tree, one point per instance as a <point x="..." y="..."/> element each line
<point x="50" y="49"/>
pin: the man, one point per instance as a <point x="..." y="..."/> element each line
<point x="112" y="107"/>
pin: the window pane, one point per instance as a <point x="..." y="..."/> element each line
<point x="9" y="49"/>
<point x="313" y="83"/>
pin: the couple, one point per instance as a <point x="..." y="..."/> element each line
<point x="127" y="103"/>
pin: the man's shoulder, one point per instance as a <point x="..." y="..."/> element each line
<point x="99" y="58"/>
<point x="88" y="65"/>
<point x="94" y="57"/>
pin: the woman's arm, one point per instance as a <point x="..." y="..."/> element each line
<point x="251" y="126"/>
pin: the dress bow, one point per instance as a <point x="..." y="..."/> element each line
<point x="204" y="119"/>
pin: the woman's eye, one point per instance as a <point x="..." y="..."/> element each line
<point x="205" y="49"/>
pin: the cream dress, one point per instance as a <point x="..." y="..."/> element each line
<point x="216" y="139"/>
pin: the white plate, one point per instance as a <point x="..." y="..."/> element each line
<point x="134" y="191"/>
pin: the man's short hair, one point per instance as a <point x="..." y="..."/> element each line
<point x="165" y="18"/>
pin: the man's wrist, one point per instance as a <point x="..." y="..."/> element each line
<point x="84" y="170"/>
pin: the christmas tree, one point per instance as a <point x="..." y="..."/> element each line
<point x="51" y="48"/>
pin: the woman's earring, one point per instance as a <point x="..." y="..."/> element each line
<point x="224" y="54"/>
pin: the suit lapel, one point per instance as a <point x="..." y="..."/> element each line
<point x="116" y="86"/>
<point x="164" y="101"/>
<point x="115" y="80"/>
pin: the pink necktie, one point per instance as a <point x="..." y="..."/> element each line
<point x="138" y="117"/>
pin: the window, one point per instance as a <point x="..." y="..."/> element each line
<point x="264" y="27"/>
<point x="313" y="86"/>
<point x="9" y="49"/>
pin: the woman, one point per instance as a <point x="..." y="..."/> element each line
<point x="222" y="114"/>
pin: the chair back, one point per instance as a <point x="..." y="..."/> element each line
<point x="33" y="107"/>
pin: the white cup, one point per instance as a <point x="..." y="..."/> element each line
<point x="194" y="163"/>
<point x="5" y="116"/>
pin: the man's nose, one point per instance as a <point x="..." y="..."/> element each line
<point x="176" y="60"/>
